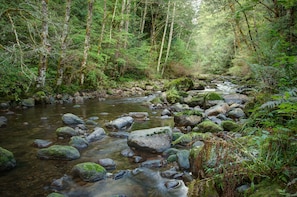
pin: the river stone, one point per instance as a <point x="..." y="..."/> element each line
<point x="3" y="121"/>
<point x="127" y="152"/>
<point x="7" y="160"/>
<point x="66" y="132"/>
<point x="89" y="171"/>
<point x="221" y="108"/>
<point x="236" y="113"/>
<point x="71" y="119"/>
<point x="183" y="159"/>
<point x="229" y="125"/>
<point x="155" y="163"/>
<point x="152" y="140"/>
<point x="107" y="163"/>
<point x="209" y="126"/>
<point x="236" y="98"/>
<point x="42" y="143"/>
<point x="78" y="142"/>
<point x="187" y="120"/>
<point x="58" y="152"/>
<point x="54" y="194"/>
<point x="122" y="123"/>
<point x="29" y="102"/>
<point x="139" y="115"/>
<point x="96" y="135"/>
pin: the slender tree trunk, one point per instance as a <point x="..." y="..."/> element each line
<point x="45" y="50"/>
<point x="87" y="41"/>
<point x="112" y="19"/>
<point x="143" y="17"/>
<point x="163" y="39"/>
<point x="103" y="27"/>
<point x="60" y="67"/>
<point x="170" y="38"/>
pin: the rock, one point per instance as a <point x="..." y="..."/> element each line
<point x="66" y="132"/>
<point x="229" y="125"/>
<point x="170" y="151"/>
<point x="3" y="121"/>
<point x="107" y="163"/>
<point x="58" y="152"/>
<point x="236" y="113"/>
<point x="221" y="108"/>
<point x="4" y="106"/>
<point x="127" y="152"/>
<point x="29" y="102"/>
<point x="96" y="135"/>
<point x="7" y="160"/>
<point x="42" y="143"/>
<point x="152" y="140"/>
<point x="89" y="171"/>
<point x="177" y="107"/>
<point x="183" y="159"/>
<point x="155" y="163"/>
<point x="119" y="134"/>
<point x="169" y="173"/>
<point x="236" y="98"/>
<point x="138" y="159"/>
<point x="71" y="119"/>
<point x="54" y="194"/>
<point x="122" y="123"/>
<point x="187" y="120"/>
<point x="61" y="183"/>
<point x="180" y="84"/>
<point x="165" y="112"/>
<point x="139" y="115"/>
<point x="209" y="126"/>
<point x="78" y="142"/>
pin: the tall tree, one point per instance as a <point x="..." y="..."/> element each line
<point x="60" y="68"/>
<point x="46" y="47"/>
<point x="87" y="41"/>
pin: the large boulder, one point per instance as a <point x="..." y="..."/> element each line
<point x="7" y="160"/>
<point x="71" y="119"/>
<point x="122" y="123"/>
<point x="58" y="152"/>
<point x="152" y="140"/>
<point x="89" y="171"/>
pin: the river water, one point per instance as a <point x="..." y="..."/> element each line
<point x="32" y="176"/>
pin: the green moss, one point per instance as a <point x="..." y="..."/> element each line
<point x="229" y="125"/>
<point x="173" y="96"/>
<point x="209" y="126"/>
<point x="189" y="113"/>
<point x="5" y="156"/>
<point x="267" y="188"/>
<point x="212" y="96"/>
<point x="55" y="195"/>
<point x="90" y="166"/>
<point x="184" y="84"/>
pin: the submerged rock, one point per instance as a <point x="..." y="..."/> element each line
<point x="66" y="132"/>
<point x="122" y="123"/>
<point x="89" y="171"/>
<point x="152" y="140"/>
<point x="78" y="142"/>
<point x="107" y="163"/>
<point x="3" y="121"/>
<point x="96" y="135"/>
<point x="58" y="152"/>
<point x="7" y="160"/>
<point x="42" y="143"/>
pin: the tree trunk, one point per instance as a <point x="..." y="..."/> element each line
<point x="143" y="17"/>
<point x="170" y="38"/>
<point x="103" y="27"/>
<point x="112" y="19"/>
<point x="45" y="50"/>
<point x="87" y="41"/>
<point x="60" y="67"/>
<point x="163" y="39"/>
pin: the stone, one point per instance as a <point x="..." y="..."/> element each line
<point x="127" y="152"/>
<point x="29" y="102"/>
<point x="107" y="163"/>
<point x="154" y="163"/>
<point x="122" y="123"/>
<point x="187" y="120"/>
<point x="3" y="121"/>
<point x="183" y="159"/>
<point x="66" y="132"/>
<point x="89" y="171"/>
<point x="58" y="152"/>
<point x="154" y="140"/>
<point x="236" y="113"/>
<point x="54" y="194"/>
<point x="7" y="160"/>
<point x="139" y="115"/>
<point x="209" y="126"/>
<point x="97" y="134"/>
<point x="71" y="119"/>
<point x="119" y="134"/>
<point x="42" y="143"/>
<point x="236" y="98"/>
<point x="229" y="125"/>
<point x="221" y="108"/>
<point x="78" y="142"/>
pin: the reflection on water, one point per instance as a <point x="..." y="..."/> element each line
<point x="32" y="176"/>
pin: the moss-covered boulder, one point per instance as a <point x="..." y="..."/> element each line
<point x="187" y="118"/>
<point x="89" y="171"/>
<point x="213" y="96"/>
<point x="209" y="126"/>
<point x="229" y="125"/>
<point x="58" y="152"/>
<point x="66" y="132"/>
<point x="181" y="84"/>
<point x="7" y="160"/>
<point x="267" y="188"/>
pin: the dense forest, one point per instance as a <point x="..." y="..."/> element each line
<point x="68" y="46"/>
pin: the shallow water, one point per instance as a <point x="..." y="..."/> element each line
<point x="32" y="176"/>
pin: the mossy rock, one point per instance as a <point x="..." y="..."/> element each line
<point x="267" y="188"/>
<point x="180" y="84"/>
<point x="54" y="194"/>
<point x="229" y="125"/>
<point x="58" y="152"/>
<point x="7" y="160"/>
<point x="66" y="132"/>
<point x="209" y="126"/>
<point x="212" y="96"/>
<point x="89" y="171"/>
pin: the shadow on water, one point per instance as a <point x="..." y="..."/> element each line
<point x="32" y="176"/>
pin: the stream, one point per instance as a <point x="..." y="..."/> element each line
<point x="33" y="177"/>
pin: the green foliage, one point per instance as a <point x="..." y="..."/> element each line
<point x="179" y="84"/>
<point x="173" y="95"/>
